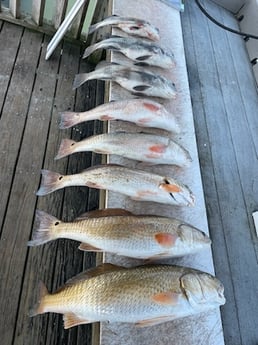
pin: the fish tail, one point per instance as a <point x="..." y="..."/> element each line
<point x="68" y="119"/>
<point x="80" y="79"/>
<point x="89" y="50"/>
<point x="93" y="28"/>
<point x="46" y="229"/>
<point x="39" y="307"/>
<point x="51" y="181"/>
<point x="66" y="148"/>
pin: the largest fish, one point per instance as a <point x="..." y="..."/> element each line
<point x="138" y="184"/>
<point x="144" y="295"/>
<point x="132" y="26"/>
<point x="138" y="50"/>
<point x="121" y="232"/>
<point x="138" y="81"/>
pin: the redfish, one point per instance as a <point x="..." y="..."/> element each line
<point x="150" y="148"/>
<point x="132" y="26"/>
<point x="138" y="81"/>
<point x="144" y="295"/>
<point x="143" y="112"/>
<point x="138" y="50"/>
<point x="138" y="184"/>
<point x="121" y="232"/>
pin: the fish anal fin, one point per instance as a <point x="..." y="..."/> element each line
<point x="154" y="321"/>
<point x="166" y="298"/>
<point x="170" y="188"/>
<point x="71" y="320"/>
<point x="107" y="212"/>
<point x="88" y="248"/>
<point x="166" y="240"/>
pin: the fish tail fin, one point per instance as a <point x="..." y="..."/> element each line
<point x="39" y="307"/>
<point x="89" y="50"/>
<point x="51" y="181"/>
<point x="80" y="79"/>
<point x="93" y="28"/>
<point x="68" y="119"/>
<point x="45" y="231"/>
<point x="66" y="148"/>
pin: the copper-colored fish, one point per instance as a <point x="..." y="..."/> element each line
<point x="138" y="184"/>
<point x="150" y="148"/>
<point x="144" y="112"/>
<point x="132" y="26"/>
<point x="123" y="233"/>
<point x="144" y="295"/>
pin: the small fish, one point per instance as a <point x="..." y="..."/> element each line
<point x="140" y="51"/>
<point x="132" y="26"/>
<point x="121" y="232"/>
<point x="144" y="295"/>
<point x="138" y="184"/>
<point x="139" y="82"/>
<point x="143" y="112"/>
<point x="150" y="148"/>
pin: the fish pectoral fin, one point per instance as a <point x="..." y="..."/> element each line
<point x="170" y="188"/>
<point x="71" y="320"/>
<point x="166" y="298"/>
<point x="88" y="248"/>
<point x="154" y="321"/>
<point x="141" y="87"/>
<point x="143" y="58"/>
<point x="109" y="212"/>
<point x="166" y="240"/>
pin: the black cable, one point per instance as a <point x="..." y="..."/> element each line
<point x="223" y="26"/>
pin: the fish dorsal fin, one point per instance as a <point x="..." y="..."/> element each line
<point x="108" y="212"/>
<point x="93" y="272"/>
<point x="71" y="320"/>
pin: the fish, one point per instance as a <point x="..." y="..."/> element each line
<point x="141" y="111"/>
<point x="131" y="26"/>
<point x="123" y="233"/>
<point x="138" y="82"/>
<point x="138" y="50"/>
<point x="144" y="295"/>
<point x="137" y="184"/>
<point x="150" y="148"/>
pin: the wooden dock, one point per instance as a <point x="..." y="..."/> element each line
<point x="33" y="92"/>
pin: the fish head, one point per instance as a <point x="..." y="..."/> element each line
<point x="193" y="237"/>
<point x="142" y="29"/>
<point x="202" y="290"/>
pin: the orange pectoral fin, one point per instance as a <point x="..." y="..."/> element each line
<point x="158" y="148"/>
<point x="166" y="298"/>
<point x="166" y="240"/>
<point x="170" y="188"/>
<point x="71" y="320"/>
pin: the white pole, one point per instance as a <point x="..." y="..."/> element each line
<point x="63" y="28"/>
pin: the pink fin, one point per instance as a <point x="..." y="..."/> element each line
<point x="154" y="321"/>
<point x="166" y="240"/>
<point x="158" y="148"/>
<point x="106" y="117"/>
<point x="151" y="106"/>
<point x="69" y="119"/>
<point x="51" y="181"/>
<point x="71" y="320"/>
<point x="166" y="298"/>
<point x="170" y="188"/>
<point x="88" y="248"/>
<point x="66" y="148"/>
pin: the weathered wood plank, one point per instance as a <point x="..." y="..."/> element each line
<point x="20" y="210"/>
<point x="60" y="10"/>
<point x="37" y="11"/>
<point x="10" y="37"/>
<point x="201" y="71"/>
<point x="14" y="6"/>
<point x="14" y="113"/>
